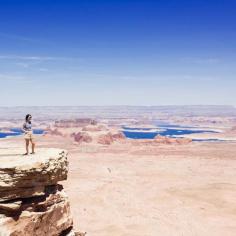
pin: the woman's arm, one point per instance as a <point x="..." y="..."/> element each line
<point x="24" y="128"/>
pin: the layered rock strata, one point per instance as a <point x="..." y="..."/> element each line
<point x="31" y="200"/>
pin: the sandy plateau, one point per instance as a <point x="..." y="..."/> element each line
<point x="123" y="187"/>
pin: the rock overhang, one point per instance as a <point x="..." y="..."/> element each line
<point x="31" y="200"/>
<point x="26" y="176"/>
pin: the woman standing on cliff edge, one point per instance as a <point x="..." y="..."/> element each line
<point x="27" y="128"/>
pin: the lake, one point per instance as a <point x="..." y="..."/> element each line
<point x="164" y="130"/>
<point x="18" y="131"/>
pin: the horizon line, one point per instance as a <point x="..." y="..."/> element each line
<point x="169" y="105"/>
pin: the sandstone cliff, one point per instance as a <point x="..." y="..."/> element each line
<point x="31" y="200"/>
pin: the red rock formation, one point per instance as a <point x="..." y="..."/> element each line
<point x="168" y="140"/>
<point x="118" y="136"/>
<point x="82" y="137"/>
<point x="105" y="139"/>
<point x="109" y="138"/>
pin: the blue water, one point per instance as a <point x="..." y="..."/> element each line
<point x="208" y="140"/>
<point x="18" y="131"/>
<point x="139" y="135"/>
<point x="166" y="130"/>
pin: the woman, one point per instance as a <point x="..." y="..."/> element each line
<point x="27" y="128"/>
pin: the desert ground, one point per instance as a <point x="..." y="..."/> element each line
<point x="144" y="187"/>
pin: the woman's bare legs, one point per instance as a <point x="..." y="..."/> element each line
<point x="33" y="145"/>
<point x="27" y="146"/>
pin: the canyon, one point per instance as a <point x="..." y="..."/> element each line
<point x="125" y="187"/>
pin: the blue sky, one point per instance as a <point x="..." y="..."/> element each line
<point x="117" y="52"/>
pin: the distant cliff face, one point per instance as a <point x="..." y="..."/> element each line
<point x="31" y="201"/>
<point x="74" y="123"/>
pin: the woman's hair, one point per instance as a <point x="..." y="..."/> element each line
<point x="27" y="117"/>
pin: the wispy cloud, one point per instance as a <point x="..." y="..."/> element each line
<point x="199" y="60"/>
<point x="23" y="64"/>
<point x="43" y="69"/>
<point x="24" y="39"/>
<point x="202" y="78"/>
<point x="207" y="61"/>
<point x="14" y="78"/>
<point x="18" y="37"/>
<point x="32" y="58"/>
<point x="27" y="62"/>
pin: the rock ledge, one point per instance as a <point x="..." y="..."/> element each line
<point x="31" y="200"/>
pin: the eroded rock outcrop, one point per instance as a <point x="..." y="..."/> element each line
<point x="81" y="137"/>
<point x="169" y="140"/>
<point x="105" y="139"/>
<point x="109" y="138"/>
<point x="31" y="200"/>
